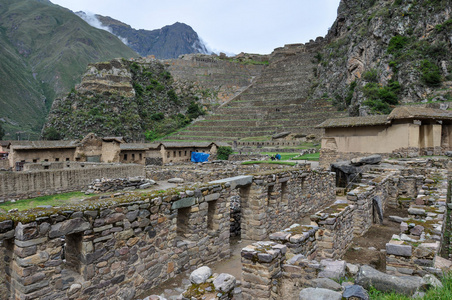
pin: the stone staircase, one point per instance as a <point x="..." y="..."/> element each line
<point x="274" y="103"/>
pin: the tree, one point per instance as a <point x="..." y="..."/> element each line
<point x="223" y="152"/>
<point x="51" y="134"/>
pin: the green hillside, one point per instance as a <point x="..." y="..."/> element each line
<point x="45" y="50"/>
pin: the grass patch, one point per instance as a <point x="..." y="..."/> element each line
<point x="444" y="293"/>
<point x="53" y="200"/>
<point x="309" y="156"/>
<point x="284" y="156"/>
<point x="287" y="163"/>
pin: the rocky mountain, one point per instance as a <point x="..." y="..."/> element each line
<point x="44" y="51"/>
<point x="165" y="43"/>
<point x="134" y="99"/>
<point x="382" y="53"/>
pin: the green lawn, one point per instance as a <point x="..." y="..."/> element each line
<point x="275" y="162"/>
<point x="284" y="156"/>
<point x="53" y="200"/>
<point x="310" y="156"/>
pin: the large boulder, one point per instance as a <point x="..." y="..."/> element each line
<point x="224" y="283"/>
<point x="200" y="275"/>
<point x="355" y="292"/>
<point x="368" y="160"/>
<point x="334" y="269"/>
<point x="326" y="283"/>
<point x="320" y="294"/>
<point x="406" y="285"/>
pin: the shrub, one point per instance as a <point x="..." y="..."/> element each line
<point x="380" y="98"/>
<point x="223" y="152"/>
<point x="371" y="75"/>
<point x="51" y="134"/>
<point x="138" y="89"/>
<point x="430" y="73"/>
<point x="397" y="43"/>
<point x="151" y="135"/>
<point x="351" y="90"/>
<point x="172" y="96"/>
<point x="194" y="110"/>
<point x="158" y="116"/>
<point x="165" y="75"/>
<point x="134" y="67"/>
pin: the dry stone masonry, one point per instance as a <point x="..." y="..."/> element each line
<point x="123" y="246"/>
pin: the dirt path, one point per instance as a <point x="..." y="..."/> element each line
<point x="377" y="237"/>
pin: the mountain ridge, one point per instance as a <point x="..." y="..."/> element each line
<point x="167" y="42"/>
<point x="47" y="49"/>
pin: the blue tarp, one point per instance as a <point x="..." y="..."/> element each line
<point x="199" y="157"/>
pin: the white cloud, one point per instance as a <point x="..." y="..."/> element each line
<point x="92" y="20"/>
<point x="255" y="26"/>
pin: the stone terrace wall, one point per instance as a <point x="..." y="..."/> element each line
<point x="223" y="78"/>
<point x="122" y="247"/>
<point x="22" y="185"/>
<point x="210" y="172"/>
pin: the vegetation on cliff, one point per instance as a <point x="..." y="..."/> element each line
<point x="45" y="50"/>
<point x="153" y="110"/>
<point x="392" y="52"/>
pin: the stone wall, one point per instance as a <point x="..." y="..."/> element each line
<point x="414" y="250"/>
<point x="212" y="171"/>
<point x="124" y="246"/>
<point x="23" y="185"/>
<point x="119" y="250"/>
<point x="281" y="199"/>
<point x="335" y="227"/>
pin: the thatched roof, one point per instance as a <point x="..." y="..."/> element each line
<point x="5" y="144"/>
<point x="32" y="145"/>
<point x="416" y="112"/>
<point x="355" y="121"/>
<point x="139" y="146"/>
<point x="187" y="144"/>
<point x="118" y="139"/>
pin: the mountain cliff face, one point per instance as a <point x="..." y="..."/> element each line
<point x="44" y="51"/>
<point x="121" y="97"/>
<point x="385" y="52"/>
<point x="165" y="43"/>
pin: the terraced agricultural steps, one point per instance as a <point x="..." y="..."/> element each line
<point x="275" y="102"/>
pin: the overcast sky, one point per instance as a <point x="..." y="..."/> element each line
<point x="233" y="26"/>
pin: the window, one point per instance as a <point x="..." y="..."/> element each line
<point x="72" y="251"/>
<point x="168" y="154"/>
<point x="183" y="218"/>
<point x="57" y="159"/>
<point x="185" y="153"/>
<point x="270" y="194"/>
<point x="46" y="159"/>
<point x="211" y="224"/>
<point x="174" y="153"/>
<point x="67" y="158"/>
<point x="35" y="160"/>
<point x="125" y="157"/>
<point x="141" y="156"/>
<point x="284" y="198"/>
<point x="180" y="153"/>
<point x="133" y="156"/>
